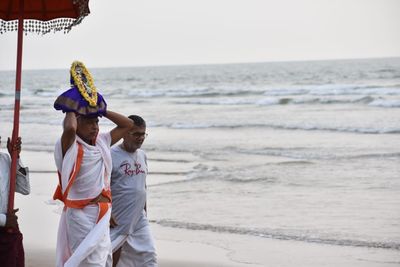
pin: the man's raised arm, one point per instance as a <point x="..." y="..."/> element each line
<point x="124" y="124"/>
<point x="69" y="132"/>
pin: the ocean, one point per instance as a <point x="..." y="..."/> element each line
<point x="304" y="151"/>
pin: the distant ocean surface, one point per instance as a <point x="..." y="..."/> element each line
<point x="306" y="151"/>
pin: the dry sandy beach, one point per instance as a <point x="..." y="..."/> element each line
<point x="39" y="216"/>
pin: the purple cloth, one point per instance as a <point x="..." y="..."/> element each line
<point x="72" y="101"/>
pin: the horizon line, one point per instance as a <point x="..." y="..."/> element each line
<point x="217" y="63"/>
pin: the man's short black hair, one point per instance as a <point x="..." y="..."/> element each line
<point x="139" y="121"/>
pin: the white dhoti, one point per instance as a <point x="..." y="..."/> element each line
<point x="83" y="235"/>
<point x="137" y="248"/>
<point x="81" y="241"/>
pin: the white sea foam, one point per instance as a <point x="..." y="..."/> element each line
<point x="308" y="127"/>
<point x="297" y="100"/>
<point x="268" y="101"/>
<point x="386" y="103"/>
<point x="334" y="90"/>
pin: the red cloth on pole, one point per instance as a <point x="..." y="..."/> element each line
<point x="11" y="248"/>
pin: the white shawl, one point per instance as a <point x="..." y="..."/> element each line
<point x="80" y="232"/>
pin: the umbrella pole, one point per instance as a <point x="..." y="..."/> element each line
<point x="15" y="133"/>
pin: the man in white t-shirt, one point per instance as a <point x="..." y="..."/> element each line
<point x="131" y="238"/>
<point x="11" y="248"/>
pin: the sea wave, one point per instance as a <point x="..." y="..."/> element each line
<point x="271" y="101"/>
<point x="5" y="95"/>
<point x="53" y="93"/>
<point x="376" y="155"/>
<point x="334" y="90"/>
<point x="386" y="103"/>
<point x="39" y="147"/>
<point x="315" y="91"/>
<point x="344" y="129"/>
<point x="279" y="234"/>
<point x="312" y="100"/>
<point x="7" y="107"/>
<point x="287" y="91"/>
<point x="250" y="180"/>
<point x="302" y="156"/>
<point x="39" y="119"/>
<point x="191" y="92"/>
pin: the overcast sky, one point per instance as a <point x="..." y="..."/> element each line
<point x="170" y="32"/>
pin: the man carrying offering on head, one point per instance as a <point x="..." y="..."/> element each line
<point x="83" y="161"/>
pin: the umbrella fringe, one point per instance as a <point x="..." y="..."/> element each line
<point x="43" y="27"/>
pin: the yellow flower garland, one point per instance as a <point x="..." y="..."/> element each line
<point x="92" y="100"/>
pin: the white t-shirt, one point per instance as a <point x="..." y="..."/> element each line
<point x="128" y="188"/>
<point x="22" y="183"/>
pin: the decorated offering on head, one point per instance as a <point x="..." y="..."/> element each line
<point x="82" y="98"/>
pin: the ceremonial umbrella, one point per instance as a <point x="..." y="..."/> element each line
<point x="39" y="17"/>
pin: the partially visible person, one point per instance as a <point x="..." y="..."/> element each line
<point x="11" y="247"/>
<point x="131" y="237"/>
